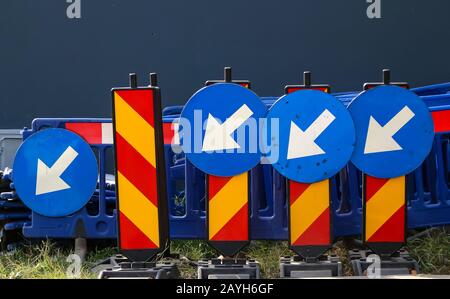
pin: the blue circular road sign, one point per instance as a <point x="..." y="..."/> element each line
<point x="219" y="129"/>
<point x="314" y="138"/>
<point x="394" y="131"/>
<point x="55" y="172"/>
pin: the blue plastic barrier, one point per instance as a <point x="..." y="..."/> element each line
<point x="428" y="191"/>
<point x="428" y="187"/>
<point x="13" y="213"/>
<point x="429" y="194"/>
<point x="268" y="205"/>
<point x="97" y="220"/>
<point x="435" y="89"/>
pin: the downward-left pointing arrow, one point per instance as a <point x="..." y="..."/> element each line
<point x="218" y="136"/>
<point x="48" y="178"/>
<point x="380" y="138"/>
<point x="303" y="143"/>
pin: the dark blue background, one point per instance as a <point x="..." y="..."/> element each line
<point x="52" y="66"/>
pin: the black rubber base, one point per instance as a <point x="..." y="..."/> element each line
<point x="297" y="267"/>
<point x="121" y="267"/>
<point x="400" y="263"/>
<point x="228" y="269"/>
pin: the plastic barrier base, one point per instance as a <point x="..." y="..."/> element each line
<point x="228" y="269"/>
<point x="122" y="268"/>
<point x="297" y="267"/>
<point x="400" y="263"/>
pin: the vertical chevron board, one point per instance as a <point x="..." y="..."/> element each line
<point x="385" y="209"/>
<point x="227" y="211"/>
<point x="139" y="180"/>
<point x="309" y="213"/>
<point x="309" y="209"/>
<point x="228" y="217"/>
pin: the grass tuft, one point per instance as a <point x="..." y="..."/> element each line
<point x="268" y="254"/>
<point x="45" y="260"/>
<point x="432" y="252"/>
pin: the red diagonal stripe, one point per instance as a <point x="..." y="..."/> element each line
<point x="393" y="230"/>
<point x="216" y="183"/>
<point x="132" y="237"/>
<point x="236" y="228"/>
<point x="373" y="184"/>
<point x="318" y="233"/>
<point x="141" y="101"/>
<point x="296" y="189"/>
<point x="136" y="169"/>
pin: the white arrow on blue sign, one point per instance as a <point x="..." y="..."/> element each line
<point x="55" y="172"/>
<point x="303" y="143"/>
<point x="394" y="131"/>
<point x="315" y="138"/>
<point x="218" y="129"/>
<point x="218" y="136"/>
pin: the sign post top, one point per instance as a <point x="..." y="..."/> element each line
<point x="307" y="85"/>
<point x="227" y="78"/>
<point x="386" y="80"/>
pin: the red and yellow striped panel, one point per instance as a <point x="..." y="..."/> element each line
<point x="309" y="213"/>
<point x="228" y="208"/>
<point x="136" y="169"/>
<point x="385" y="209"/>
<point x="228" y="217"/>
<point x="309" y="209"/>
<point x="384" y="206"/>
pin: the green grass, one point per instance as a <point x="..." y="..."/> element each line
<point x="47" y="260"/>
<point x="432" y="252"/>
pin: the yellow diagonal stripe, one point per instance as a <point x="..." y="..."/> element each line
<point x="131" y="126"/>
<point x="227" y="202"/>
<point x="138" y="209"/>
<point x="308" y="207"/>
<point x="384" y="204"/>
